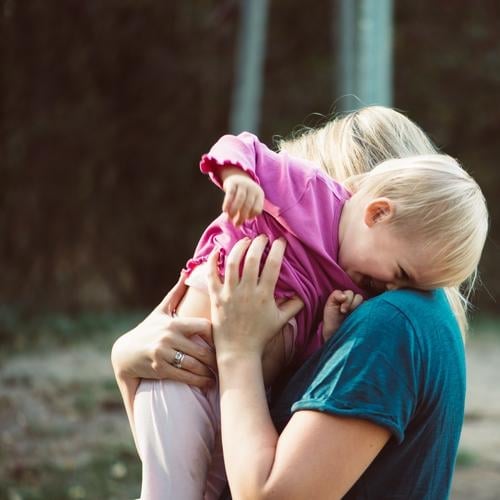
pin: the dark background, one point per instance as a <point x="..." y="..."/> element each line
<point x="107" y="107"/>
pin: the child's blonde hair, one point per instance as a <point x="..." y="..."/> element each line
<point x="437" y="202"/>
<point x="354" y="144"/>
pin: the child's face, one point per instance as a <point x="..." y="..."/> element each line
<point x="377" y="258"/>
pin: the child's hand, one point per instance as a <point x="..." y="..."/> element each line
<point x="244" y="197"/>
<point x="338" y="305"/>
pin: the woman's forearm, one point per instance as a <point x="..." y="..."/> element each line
<point x="248" y="435"/>
<point x="245" y="318"/>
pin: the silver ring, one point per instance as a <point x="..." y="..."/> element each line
<point x="178" y="359"/>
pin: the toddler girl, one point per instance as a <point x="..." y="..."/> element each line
<point x="416" y="222"/>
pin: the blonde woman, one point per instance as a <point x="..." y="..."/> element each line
<point x="398" y="229"/>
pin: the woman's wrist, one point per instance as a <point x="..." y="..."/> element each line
<point x="227" y="359"/>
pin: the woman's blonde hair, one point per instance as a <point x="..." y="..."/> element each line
<point x="350" y="146"/>
<point x="356" y="142"/>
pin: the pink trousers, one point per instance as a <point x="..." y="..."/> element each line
<point x="178" y="436"/>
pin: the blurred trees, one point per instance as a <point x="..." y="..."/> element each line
<point x="107" y="107"/>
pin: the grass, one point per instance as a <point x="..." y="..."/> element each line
<point x="21" y="331"/>
<point x="466" y="458"/>
<point x="112" y="473"/>
<point x="485" y="325"/>
<point x="91" y="398"/>
<point x="102" y="467"/>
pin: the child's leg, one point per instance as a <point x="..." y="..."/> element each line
<point x="176" y="428"/>
<point x="175" y="433"/>
<point x="216" y="477"/>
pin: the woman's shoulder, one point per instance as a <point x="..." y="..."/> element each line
<point x="421" y="308"/>
<point x="422" y="321"/>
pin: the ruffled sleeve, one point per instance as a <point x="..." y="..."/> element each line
<point x="283" y="178"/>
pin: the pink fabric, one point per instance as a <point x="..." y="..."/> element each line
<point x="179" y="442"/>
<point x="303" y="205"/>
<point x="178" y="436"/>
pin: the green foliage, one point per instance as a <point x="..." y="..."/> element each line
<point x="20" y="330"/>
<point x="112" y="473"/>
<point x="466" y="458"/>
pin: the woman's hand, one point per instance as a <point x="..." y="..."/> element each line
<point x="245" y="316"/>
<point x="148" y="350"/>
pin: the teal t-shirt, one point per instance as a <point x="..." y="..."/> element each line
<point x="398" y="361"/>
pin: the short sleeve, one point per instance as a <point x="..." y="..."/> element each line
<point x="283" y="178"/>
<point x="370" y="371"/>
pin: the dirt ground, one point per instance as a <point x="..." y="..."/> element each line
<point x="64" y="434"/>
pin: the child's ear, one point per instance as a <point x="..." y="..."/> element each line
<point x="378" y="210"/>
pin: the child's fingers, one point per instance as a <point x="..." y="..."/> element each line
<point x="334" y="301"/>
<point x="345" y="307"/>
<point x="237" y="205"/>
<point x="260" y="204"/>
<point x="229" y="198"/>
<point x="246" y="209"/>
<point x="257" y="202"/>
<point x="238" y="219"/>
<point x="356" y="301"/>
<point x="351" y="301"/>
<point x="336" y="298"/>
<point x="254" y="205"/>
<point x="234" y="199"/>
<point x="257" y="206"/>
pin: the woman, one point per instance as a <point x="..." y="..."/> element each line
<point x="361" y="140"/>
<point x="376" y="414"/>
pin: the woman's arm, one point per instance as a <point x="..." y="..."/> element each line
<point x="147" y="351"/>
<point x="318" y="455"/>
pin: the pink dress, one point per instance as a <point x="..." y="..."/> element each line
<point x="303" y="205"/>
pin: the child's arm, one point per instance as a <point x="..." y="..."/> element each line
<point x="338" y="305"/>
<point x="282" y="178"/>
